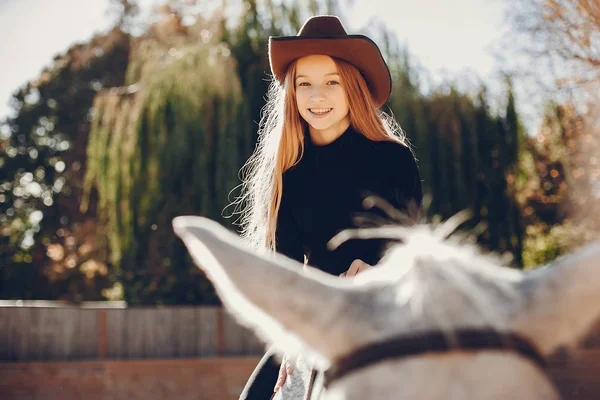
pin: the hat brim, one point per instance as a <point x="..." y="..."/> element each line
<point x="358" y="50"/>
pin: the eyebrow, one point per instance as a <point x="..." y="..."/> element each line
<point x="306" y="76"/>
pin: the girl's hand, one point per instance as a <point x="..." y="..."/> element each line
<point x="356" y="267"/>
<point x="286" y="368"/>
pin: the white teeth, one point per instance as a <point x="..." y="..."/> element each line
<point x="320" y="110"/>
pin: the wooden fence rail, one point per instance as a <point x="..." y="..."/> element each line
<point x="104" y="339"/>
<point x="33" y="331"/>
<point x="43" y="330"/>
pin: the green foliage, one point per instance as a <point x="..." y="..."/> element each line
<point x="122" y="134"/>
<point x="559" y="205"/>
<point x="466" y="155"/>
<point x="169" y="148"/>
<point x="544" y="244"/>
<point x="42" y="156"/>
<point x="541" y="247"/>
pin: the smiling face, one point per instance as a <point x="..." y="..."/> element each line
<point x="321" y="98"/>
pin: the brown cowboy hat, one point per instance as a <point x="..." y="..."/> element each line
<point x="325" y="34"/>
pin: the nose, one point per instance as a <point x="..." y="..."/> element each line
<point x="317" y="95"/>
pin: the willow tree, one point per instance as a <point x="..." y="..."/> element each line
<point x="165" y="145"/>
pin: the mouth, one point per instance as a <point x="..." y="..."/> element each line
<point x="320" y="111"/>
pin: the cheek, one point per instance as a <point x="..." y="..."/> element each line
<point x="301" y="102"/>
<point x="341" y="101"/>
<point x="301" y="97"/>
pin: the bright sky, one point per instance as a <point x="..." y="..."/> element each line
<point x="447" y="36"/>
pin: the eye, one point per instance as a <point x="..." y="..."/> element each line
<point x="303" y="84"/>
<point x="333" y="83"/>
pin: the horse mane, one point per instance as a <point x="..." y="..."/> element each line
<point x="426" y="256"/>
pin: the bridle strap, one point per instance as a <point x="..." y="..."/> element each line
<point x="433" y="342"/>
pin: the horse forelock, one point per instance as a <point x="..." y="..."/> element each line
<point x="445" y="282"/>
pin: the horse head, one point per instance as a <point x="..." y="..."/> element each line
<point x="436" y="319"/>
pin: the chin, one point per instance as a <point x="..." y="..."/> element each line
<point x="322" y="125"/>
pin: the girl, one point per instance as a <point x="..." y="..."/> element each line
<point x="323" y="147"/>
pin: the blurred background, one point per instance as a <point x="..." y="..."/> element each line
<point x="118" y="115"/>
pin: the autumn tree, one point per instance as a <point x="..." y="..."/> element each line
<point x="559" y="50"/>
<point x="562" y="36"/>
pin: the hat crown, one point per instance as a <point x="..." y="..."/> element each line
<point x="325" y="34"/>
<point x="322" y="25"/>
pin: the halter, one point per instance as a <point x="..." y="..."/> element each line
<point x="432" y="342"/>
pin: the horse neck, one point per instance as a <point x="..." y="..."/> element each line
<point x="453" y="376"/>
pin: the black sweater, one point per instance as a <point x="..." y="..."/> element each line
<point x="324" y="192"/>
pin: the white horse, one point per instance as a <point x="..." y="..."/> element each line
<point x="434" y="320"/>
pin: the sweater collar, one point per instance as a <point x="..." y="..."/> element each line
<point x="344" y="141"/>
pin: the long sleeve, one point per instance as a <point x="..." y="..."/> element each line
<point x="288" y="238"/>
<point x="407" y="193"/>
<point x="323" y="195"/>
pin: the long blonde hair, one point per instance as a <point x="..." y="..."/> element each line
<point x="281" y="145"/>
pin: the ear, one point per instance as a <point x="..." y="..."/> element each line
<point x="563" y="299"/>
<point x="271" y="294"/>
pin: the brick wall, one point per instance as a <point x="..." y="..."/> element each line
<point x="198" y="379"/>
<point x="577" y="377"/>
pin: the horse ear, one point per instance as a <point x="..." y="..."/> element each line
<point x="563" y="299"/>
<point x="270" y="294"/>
